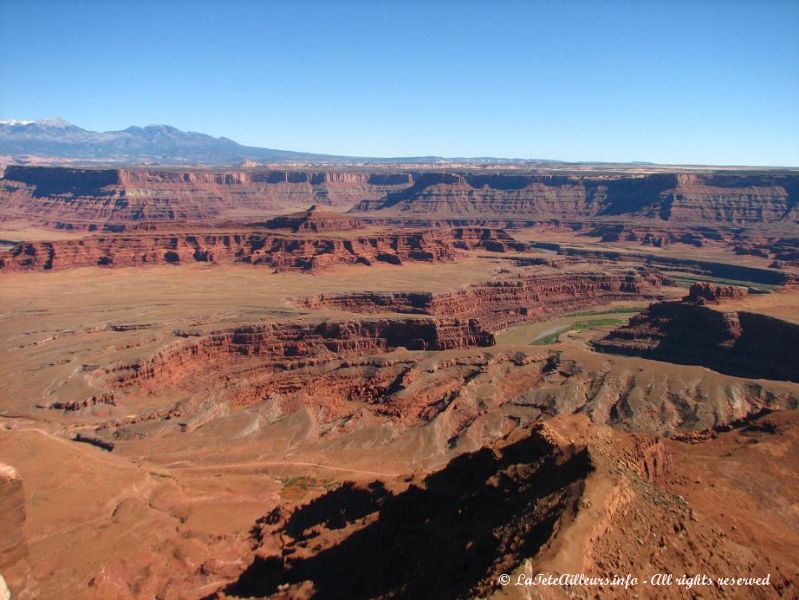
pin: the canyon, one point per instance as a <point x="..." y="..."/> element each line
<point x="274" y="382"/>
<point x="505" y="301"/>
<point x="119" y="196"/>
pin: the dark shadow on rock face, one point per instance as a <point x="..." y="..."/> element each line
<point x="63" y="181"/>
<point x="476" y="518"/>
<point x="337" y="508"/>
<point x="736" y="343"/>
<point x="640" y="196"/>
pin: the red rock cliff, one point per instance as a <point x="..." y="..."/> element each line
<point x="695" y="198"/>
<point x="702" y="292"/>
<point x="121" y="197"/>
<point x="282" y="344"/>
<point x="279" y="251"/>
<point x="14" y="566"/>
<point x="91" y="198"/>
<point x="505" y="302"/>
<point x="738" y="343"/>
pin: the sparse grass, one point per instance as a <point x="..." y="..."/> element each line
<point x="609" y="311"/>
<point x="684" y="280"/>
<point x="549" y="331"/>
<point x="306" y="482"/>
<point x="297" y="487"/>
<point x="301" y="481"/>
<point x="554" y="337"/>
<point x="594" y="323"/>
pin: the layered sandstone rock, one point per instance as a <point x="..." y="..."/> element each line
<point x="280" y="251"/>
<point x="739" y="343"/>
<point x="784" y="250"/>
<point x="502" y="303"/>
<point x="14" y="566"/>
<point x="753" y="241"/>
<point x="314" y="220"/>
<point x="702" y="292"/>
<point x="696" y="198"/>
<point x="92" y="198"/>
<point x="121" y="197"/>
<point x="281" y="344"/>
<point x="759" y="241"/>
<point x="466" y="396"/>
<point x="660" y="237"/>
<point x="707" y="268"/>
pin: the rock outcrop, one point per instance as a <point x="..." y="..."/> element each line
<point x="280" y="345"/>
<point x="392" y="442"/>
<point x="702" y="292"/>
<point x="14" y="566"/>
<point x="708" y="268"/>
<point x="449" y="535"/>
<point x="467" y="396"/>
<point x="657" y="236"/>
<point x="314" y="220"/>
<point x="590" y="510"/>
<point x="739" y="343"/>
<point x="282" y="252"/>
<point x="505" y="302"/>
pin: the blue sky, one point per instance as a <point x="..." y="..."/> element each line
<point x="674" y="82"/>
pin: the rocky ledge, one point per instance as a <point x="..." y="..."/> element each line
<point x="282" y="252"/>
<point x="14" y="565"/>
<point x="739" y="343"/>
<point x="286" y="344"/>
<point x="505" y="302"/>
<point x="314" y="220"/>
<point x="707" y="293"/>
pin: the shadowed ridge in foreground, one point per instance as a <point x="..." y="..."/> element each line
<point x="449" y="537"/>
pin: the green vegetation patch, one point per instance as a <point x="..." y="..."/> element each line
<point x="594" y="323"/>
<point x="554" y="337"/>
<point x="624" y="310"/>
<point x="302" y="482"/>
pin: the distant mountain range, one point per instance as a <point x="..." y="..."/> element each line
<point x="56" y="139"/>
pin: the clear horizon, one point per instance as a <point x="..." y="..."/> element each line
<point x="683" y="83"/>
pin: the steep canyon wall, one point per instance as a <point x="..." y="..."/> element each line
<point x="739" y="343"/>
<point x="279" y="251"/>
<point x="505" y="302"/>
<point x="122" y="197"/>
